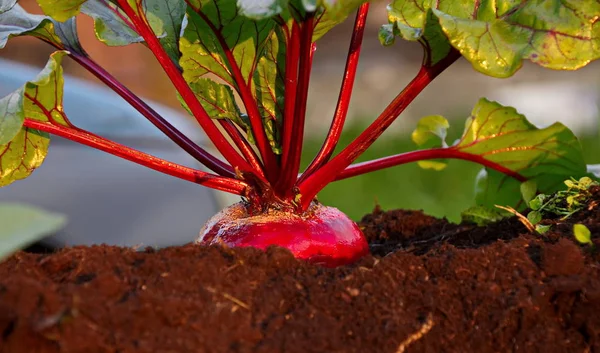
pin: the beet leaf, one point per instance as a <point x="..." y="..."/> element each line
<point x="23" y="149"/>
<point x="512" y="149"/>
<point x="497" y="36"/>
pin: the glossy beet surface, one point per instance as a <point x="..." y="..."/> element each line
<point x="322" y="235"/>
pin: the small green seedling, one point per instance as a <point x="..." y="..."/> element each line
<point x="563" y="203"/>
<point x="582" y="234"/>
<point x="481" y="215"/>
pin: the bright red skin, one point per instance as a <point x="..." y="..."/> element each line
<point x="323" y="235"/>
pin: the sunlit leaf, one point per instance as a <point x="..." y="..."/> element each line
<point x="61" y="10"/>
<point x="497" y="36"/>
<point x="218" y="101"/>
<point x="334" y="12"/>
<point x="23" y="225"/>
<point x="504" y="137"/>
<point x="40" y="100"/>
<point x="582" y="234"/>
<point x="217" y="40"/>
<point x="213" y="31"/>
<point x="431" y="133"/>
<point x="269" y="86"/>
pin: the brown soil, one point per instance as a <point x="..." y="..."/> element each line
<point x="430" y="286"/>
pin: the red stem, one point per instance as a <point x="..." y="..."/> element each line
<point x="243" y="145"/>
<point x="291" y="86"/>
<point x="328" y="172"/>
<point x="421" y="155"/>
<point x="201" y="155"/>
<point x="341" y="111"/>
<point x="233" y="186"/>
<point x="291" y="157"/>
<point x="186" y="92"/>
<point x="256" y="121"/>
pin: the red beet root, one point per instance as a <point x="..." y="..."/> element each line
<point x="322" y="235"/>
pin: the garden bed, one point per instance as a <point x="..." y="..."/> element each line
<point x="431" y="286"/>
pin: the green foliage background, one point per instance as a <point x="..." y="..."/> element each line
<point x="441" y="194"/>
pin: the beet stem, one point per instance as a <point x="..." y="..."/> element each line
<point x="172" y="71"/>
<point x="341" y="111"/>
<point x="256" y="122"/>
<point x="421" y="155"/>
<point x="291" y="156"/>
<point x="233" y="186"/>
<point x="200" y="154"/>
<point x="330" y="170"/>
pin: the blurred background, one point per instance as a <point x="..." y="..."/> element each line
<point x="122" y="204"/>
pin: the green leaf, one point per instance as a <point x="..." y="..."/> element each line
<point x="504" y="137"/>
<point x="582" y="234"/>
<point x="109" y="26"/>
<point x="11" y="116"/>
<point x="61" y="10"/>
<point x="528" y="190"/>
<point x="269" y="86"/>
<point x="17" y="22"/>
<point x="334" y="12"/>
<point x="481" y="215"/>
<point x="497" y="36"/>
<point x="214" y="29"/>
<point x="217" y="99"/>
<point x="23" y="225"/>
<point x="534" y="217"/>
<point x="431" y="133"/>
<point x="537" y="202"/>
<point x="542" y="229"/>
<point x="166" y="20"/>
<point x="40" y="100"/>
<point x="414" y="21"/>
<point x="500" y="135"/>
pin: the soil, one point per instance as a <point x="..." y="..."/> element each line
<point x="430" y="286"/>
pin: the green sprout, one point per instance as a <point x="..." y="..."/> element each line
<point x="563" y="203"/>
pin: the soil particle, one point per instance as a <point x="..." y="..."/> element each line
<point x="430" y="286"/>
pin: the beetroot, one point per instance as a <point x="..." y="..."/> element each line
<point x="322" y="235"/>
<point x="242" y="69"/>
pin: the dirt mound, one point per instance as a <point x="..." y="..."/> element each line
<point x="430" y="286"/>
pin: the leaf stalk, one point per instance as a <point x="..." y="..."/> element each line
<point x="422" y="155"/>
<point x="292" y="155"/>
<point x="172" y="71"/>
<point x="341" y="111"/>
<point x="316" y="181"/>
<point x="197" y="152"/>
<point x="230" y="185"/>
